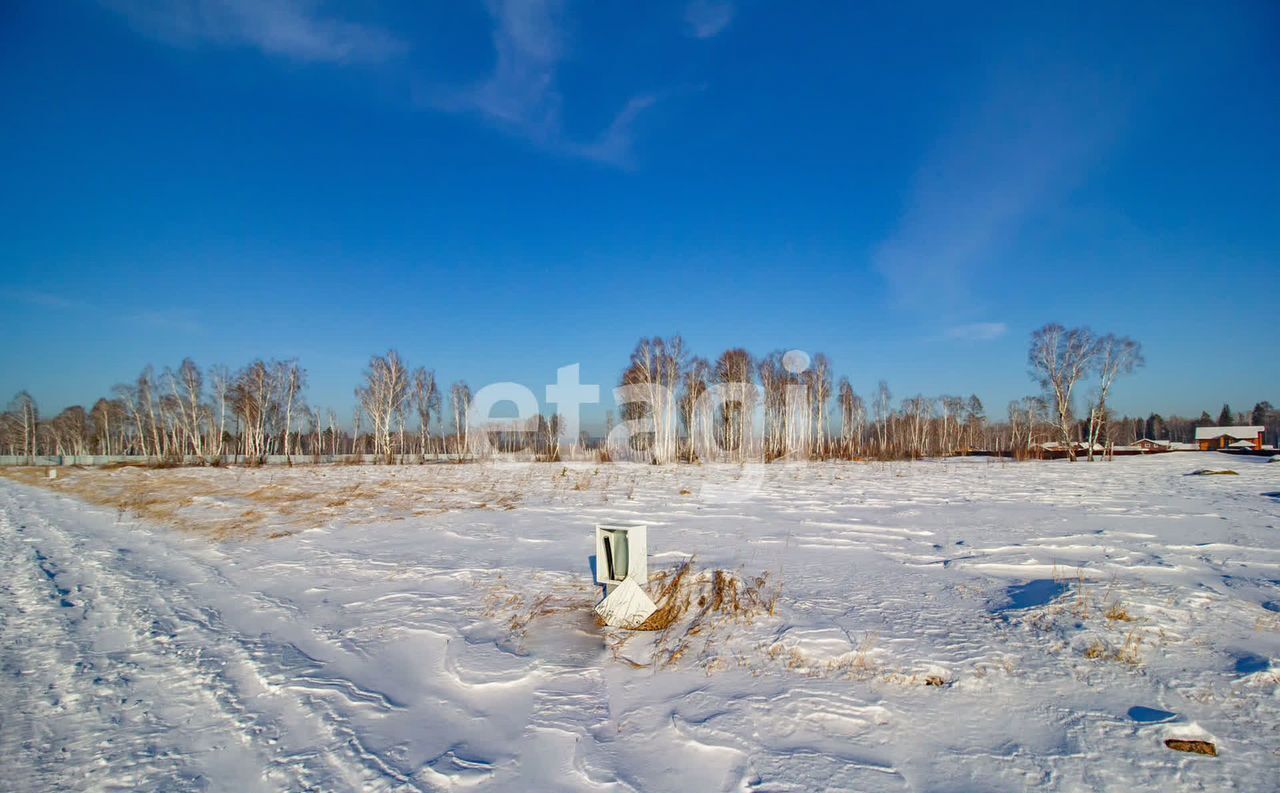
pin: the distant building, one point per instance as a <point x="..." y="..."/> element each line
<point x="1211" y="438"/>
<point x="1149" y="445"/>
<point x="1055" y="447"/>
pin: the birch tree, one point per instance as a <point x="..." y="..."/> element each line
<point x="127" y="395"/>
<point x="383" y="395"/>
<point x="882" y="412"/>
<point x="103" y="419"/>
<point x="1060" y="358"/>
<point x="694" y="385"/>
<point x="774" y="379"/>
<point x="649" y="387"/>
<point x="187" y="386"/>
<point x="220" y="383"/>
<point x="1115" y="356"/>
<point x="817" y="378"/>
<point x="251" y="396"/>
<point x="70" y="431"/>
<point x="145" y="395"/>
<point x="26" y="419"/>
<point x="975" y="416"/>
<point x="460" y="401"/>
<point x="733" y="373"/>
<point x="853" y="417"/>
<point x="549" y="428"/>
<point x="426" y="401"/>
<point x="291" y="379"/>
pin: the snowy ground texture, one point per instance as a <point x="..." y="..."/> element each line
<point x="429" y="628"/>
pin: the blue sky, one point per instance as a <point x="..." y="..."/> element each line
<point x="498" y="189"/>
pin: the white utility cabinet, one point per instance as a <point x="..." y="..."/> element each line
<point x="622" y="553"/>
<point x="627" y="606"/>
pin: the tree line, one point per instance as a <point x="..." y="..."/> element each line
<point x="673" y="406"/>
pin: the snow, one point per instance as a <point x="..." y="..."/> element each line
<point x="1211" y="433"/>
<point x="959" y="625"/>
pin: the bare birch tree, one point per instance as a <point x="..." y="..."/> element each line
<point x="383" y="395"/>
<point x="734" y="375"/>
<point x="251" y="395"/>
<point x="1115" y="356"/>
<point x="426" y="401"/>
<point x="291" y="379"/>
<point x="650" y="384"/>
<point x="1060" y="358"/>
<point x="694" y="385"/>
<point x="220" y="383"/>
<point x="460" y="401"/>
<point x="817" y="378"/>
<point x="26" y="418"/>
<point x="774" y="379"/>
<point x="853" y="417"/>
<point x="882" y="412"/>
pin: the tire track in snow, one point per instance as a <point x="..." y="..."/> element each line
<point x="77" y="683"/>
<point x="193" y="694"/>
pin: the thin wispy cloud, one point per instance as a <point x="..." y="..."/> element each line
<point x="522" y="95"/>
<point x="39" y="299"/>
<point x="169" y="320"/>
<point x="528" y="44"/>
<point x="614" y="144"/>
<point x="708" y="18"/>
<point x="1028" y="142"/>
<point x="977" y="331"/>
<point x="294" y="29"/>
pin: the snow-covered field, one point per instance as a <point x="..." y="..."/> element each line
<point x="429" y="627"/>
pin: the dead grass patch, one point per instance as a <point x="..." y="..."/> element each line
<point x="697" y="611"/>
<point x="518" y="612"/>
<point x="1118" y="613"/>
<point x="237" y="502"/>
<point x="860" y="664"/>
<point x="1129" y="652"/>
<point x="700" y="597"/>
<point x="1195" y="747"/>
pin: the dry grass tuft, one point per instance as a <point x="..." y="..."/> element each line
<point x="1118" y="613"/>
<point x="1130" y="652"/>
<point x="861" y="665"/>
<point x="520" y="611"/>
<point x="539" y="607"/>
<point x="1082" y="594"/>
<point x="1195" y="747"/>
<point x="717" y="595"/>
<point x="671" y="596"/>
<point x="696" y="608"/>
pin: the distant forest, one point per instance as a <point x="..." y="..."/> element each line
<point x="676" y="406"/>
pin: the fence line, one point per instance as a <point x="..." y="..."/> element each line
<point x="226" y="459"/>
